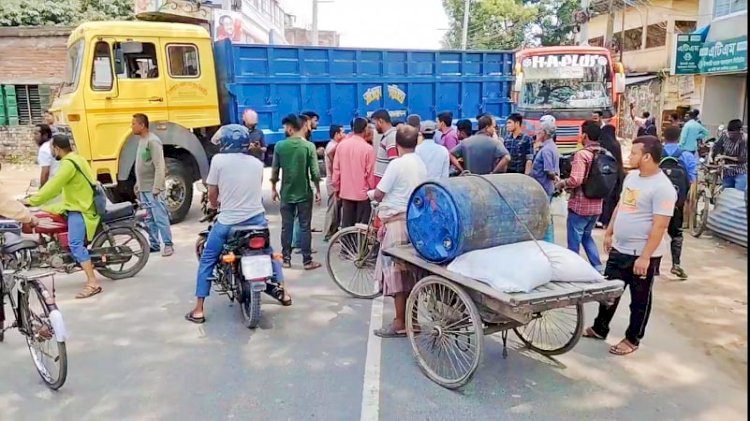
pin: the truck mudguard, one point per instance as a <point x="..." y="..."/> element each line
<point x="170" y="134"/>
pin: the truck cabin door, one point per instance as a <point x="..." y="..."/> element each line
<point x="100" y="97"/>
<point x="140" y="68"/>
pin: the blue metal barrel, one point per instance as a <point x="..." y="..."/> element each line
<point x="447" y="218"/>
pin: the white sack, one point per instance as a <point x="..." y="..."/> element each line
<point x="522" y="267"/>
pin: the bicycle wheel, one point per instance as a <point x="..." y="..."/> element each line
<point x="553" y="332"/>
<point x="350" y="261"/>
<point x="445" y="330"/>
<point x="44" y="330"/>
<point x="700" y="216"/>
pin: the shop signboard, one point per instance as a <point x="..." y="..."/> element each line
<point x="695" y="56"/>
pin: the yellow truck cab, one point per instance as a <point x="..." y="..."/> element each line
<point x="117" y="69"/>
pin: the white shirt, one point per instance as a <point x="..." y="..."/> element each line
<point x="239" y="178"/>
<point x="45" y="159"/>
<point x="435" y="158"/>
<point x="402" y="176"/>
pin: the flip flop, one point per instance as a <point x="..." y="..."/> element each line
<point x="617" y="349"/>
<point x="88" y="291"/>
<point x="197" y="320"/>
<point x="591" y="334"/>
<point x="389" y="332"/>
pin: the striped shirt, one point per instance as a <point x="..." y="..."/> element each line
<point x="386" y="152"/>
<point x="733" y="144"/>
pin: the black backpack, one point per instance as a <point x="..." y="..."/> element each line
<point x="603" y="174"/>
<point x="677" y="174"/>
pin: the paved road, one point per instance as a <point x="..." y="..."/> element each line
<point x="133" y="357"/>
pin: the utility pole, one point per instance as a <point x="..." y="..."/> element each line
<point x="622" y="34"/>
<point x="609" y="37"/>
<point x="583" y="23"/>
<point x="465" y="29"/>
<point x="315" y="23"/>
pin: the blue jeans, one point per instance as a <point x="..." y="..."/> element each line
<point x="212" y="250"/>
<point x="549" y="235"/>
<point x="738" y="182"/>
<point x="157" y="221"/>
<point x="77" y="237"/>
<point x="579" y="232"/>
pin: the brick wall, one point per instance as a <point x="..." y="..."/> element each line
<point x="33" y="55"/>
<point x="17" y="144"/>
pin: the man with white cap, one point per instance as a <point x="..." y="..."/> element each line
<point x="546" y="164"/>
<point x="257" y="139"/>
<point x="435" y="157"/>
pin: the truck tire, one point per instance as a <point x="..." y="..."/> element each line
<point x="179" y="194"/>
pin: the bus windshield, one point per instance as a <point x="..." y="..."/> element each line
<point x="567" y="81"/>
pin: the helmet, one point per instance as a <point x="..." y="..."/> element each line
<point x="232" y="138"/>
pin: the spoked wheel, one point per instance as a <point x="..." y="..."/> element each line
<point x="445" y="330"/>
<point x="50" y="356"/>
<point x="553" y="332"/>
<point x="131" y="255"/>
<point x="351" y="262"/>
<point x="700" y="216"/>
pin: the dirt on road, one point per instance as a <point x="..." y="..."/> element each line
<point x="710" y="308"/>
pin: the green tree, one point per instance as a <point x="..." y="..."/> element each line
<point x="493" y="24"/>
<point x="62" y="12"/>
<point x="554" y="24"/>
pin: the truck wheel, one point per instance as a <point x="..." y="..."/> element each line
<point x="179" y="194"/>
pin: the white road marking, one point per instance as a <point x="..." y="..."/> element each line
<point x="371" y="383"/>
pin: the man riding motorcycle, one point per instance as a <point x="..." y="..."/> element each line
<point x="235" y="186"/>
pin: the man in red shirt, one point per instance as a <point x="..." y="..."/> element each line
<point x="353" y="175"/>
<point x="583" y="212"/>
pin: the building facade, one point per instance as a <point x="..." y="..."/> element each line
<point x="303" y="36"/>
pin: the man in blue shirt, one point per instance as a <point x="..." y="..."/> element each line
<point x="519" y="145"/>
<point x="546" y="164"/>
<point x="692" y="133"/>
<point x="690" y="164"/>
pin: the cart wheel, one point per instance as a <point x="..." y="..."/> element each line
<point x="445" y="331"/>
<point x="553" y="332"/>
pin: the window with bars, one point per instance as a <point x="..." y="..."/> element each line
<point x="30" y="107"/>
<point x="727" y="7"/>
<point x="656" y="35"/>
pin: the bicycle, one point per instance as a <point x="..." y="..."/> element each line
<point x="358" y="246"/>
<point x="709" y="187"/>
<point x="37" y="318"/>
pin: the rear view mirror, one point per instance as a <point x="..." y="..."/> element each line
<point x="131" y="47"/>
<point x="620" y="83"/>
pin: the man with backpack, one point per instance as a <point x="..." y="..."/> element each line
<point x="593" y="176"/>
<point x="681" y="168"/>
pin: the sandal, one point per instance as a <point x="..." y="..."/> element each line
<point x="623" y="348"/>
<point x="287" y="264"/>
<point x="88" y="291"/>
<point x="312" y="265"/>
<point x="197" y="320"/>
<point x="591" y="334"/>
<point x="389" y="332"/>
<point x="279" y="293"/>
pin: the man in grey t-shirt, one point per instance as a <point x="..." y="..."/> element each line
<point x="635" y="241"/>
<point x="481" y="153"/>
<point x="150" y="173"/>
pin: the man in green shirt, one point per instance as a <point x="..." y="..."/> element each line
<point x="73" y="179"/>
<point x="297" y="161"/>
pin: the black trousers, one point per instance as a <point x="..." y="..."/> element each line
<point x="354" y="212"/>
<point x="675" y="233"/>
<point x="303" y="212"/>
<point x="620" y="266"/>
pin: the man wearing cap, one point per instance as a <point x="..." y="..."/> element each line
<point x="435" y="157"/>
<point x="257" y="139"/>
<point x="545" y="167"/>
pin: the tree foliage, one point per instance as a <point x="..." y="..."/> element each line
<point x="511" y="24"/>
<point x="62" y="12"/>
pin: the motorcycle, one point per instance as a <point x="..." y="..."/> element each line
<point x="108" y="254"/>
<point x="246" y="267"/>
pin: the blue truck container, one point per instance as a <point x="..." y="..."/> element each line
<point x="342" y="83"/>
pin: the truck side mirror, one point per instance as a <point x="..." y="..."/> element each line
<point x="518" y="84"/>
<point x="620" y="83"/>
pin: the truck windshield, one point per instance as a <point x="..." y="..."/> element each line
<point x="73" y="66"/>
<point x="567" y="83"/>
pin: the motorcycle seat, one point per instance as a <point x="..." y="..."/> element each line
<point x="237" y="230"/>
<point x="117" y="211"/>
<point x="13" y="243"/>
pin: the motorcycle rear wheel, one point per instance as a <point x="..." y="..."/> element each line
<point x="250" y="305"/>
<point x="142" y="253"/>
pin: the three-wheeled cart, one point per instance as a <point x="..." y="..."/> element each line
<point x="448" y="314"/>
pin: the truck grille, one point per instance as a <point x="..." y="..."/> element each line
<point x="568" y="131"/>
